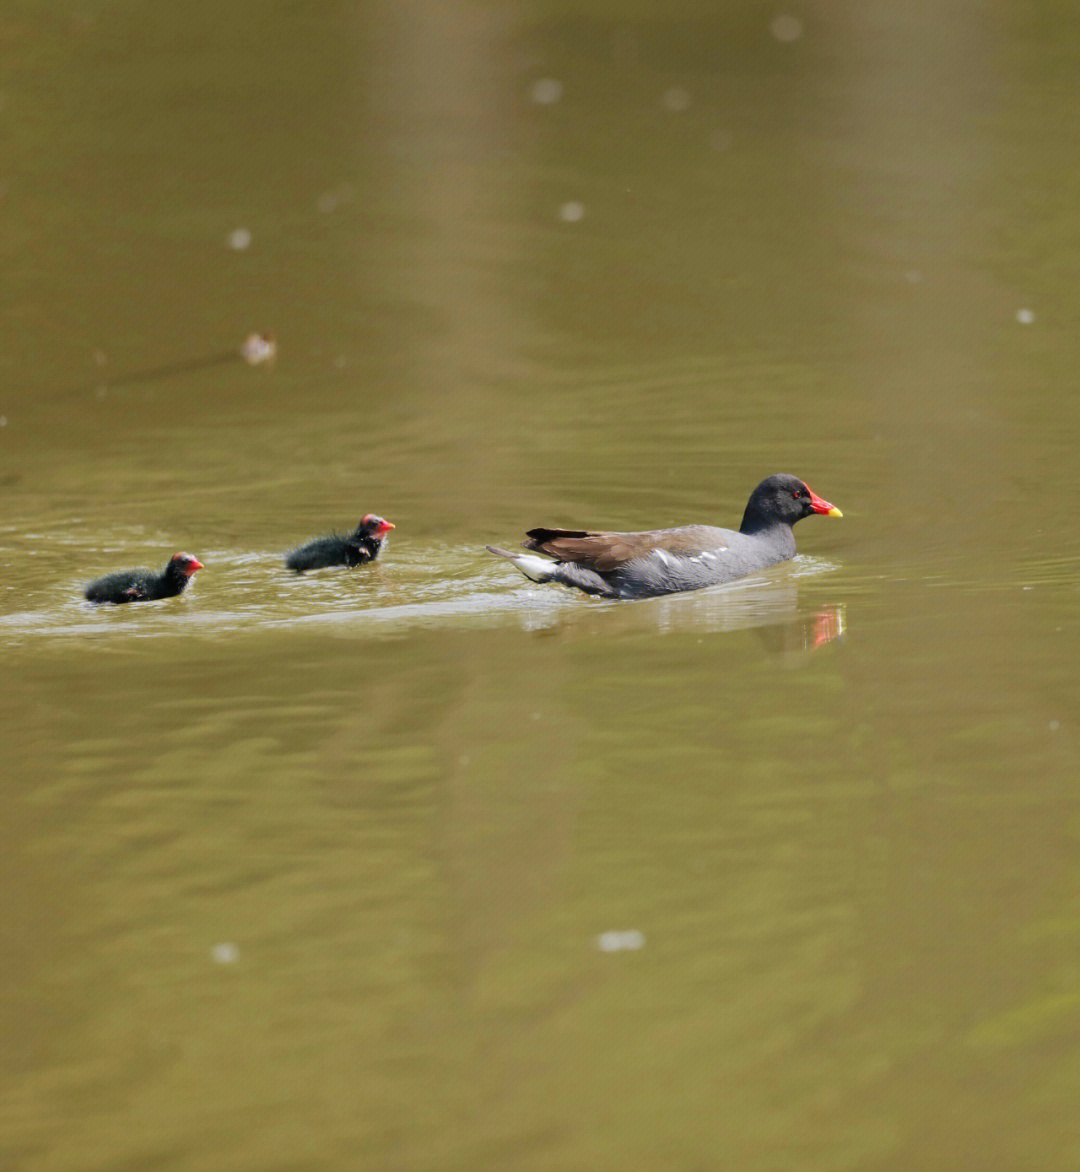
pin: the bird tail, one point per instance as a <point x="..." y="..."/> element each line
<point x="534" y="568"/>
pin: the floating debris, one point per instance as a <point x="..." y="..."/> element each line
<point x="226" y="953"/>
<point x="571" y="212"/>
<point x="676" y="99"/>
<point x="258" y="349"/>
<point x="239" y="239"/>
<point x="1025" y="316"/>
<point x="336" y="197"/>
<point x="786" y="28"/>
<point x="626" y="941"/>
<point x="546" y="91"/>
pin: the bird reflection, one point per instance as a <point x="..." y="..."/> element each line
<point x="806" y="632"/>
<point x="770" y="608"/>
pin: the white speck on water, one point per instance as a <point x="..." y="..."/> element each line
<point x="1025" y="316"/>
<point x="1054" y="725"/>
<point x="546" y="90"/>
<point x="572" y="211"/>
<point x="239" y="239"/>
<point x="3" y="421"/>
<point x="330" y="201"/>
<point x="676" y="99"/>
<point x="225" y="953"/>
<point x="258" y="348"/>
<point x="625" y="941"/>
<point x="786" y="27"/>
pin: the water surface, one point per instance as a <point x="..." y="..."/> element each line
<point x="423" y="866"/>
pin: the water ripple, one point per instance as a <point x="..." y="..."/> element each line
<point x="420" y="586"/>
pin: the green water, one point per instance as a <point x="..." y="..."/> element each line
<point x="426" y="867"/>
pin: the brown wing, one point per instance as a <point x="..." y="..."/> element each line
<point x="608" y="551"/>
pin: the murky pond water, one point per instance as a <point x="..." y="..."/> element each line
<point x="422" y="866"/>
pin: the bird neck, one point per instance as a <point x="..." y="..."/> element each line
<point x="174" y="578"/>
<point x="756" y="520"/>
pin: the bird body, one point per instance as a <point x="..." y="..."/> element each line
<point x="144" y="585"/>
<point x="665" y="561"/>
<point x="335" y="549"/>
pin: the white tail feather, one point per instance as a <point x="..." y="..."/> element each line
<point x="534" y="568"/>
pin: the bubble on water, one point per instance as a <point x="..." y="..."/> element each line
<point x="572" y="211"/>
<point x="546" y="90"/>
<point x="786" y="27"/>
<point x="225" y="953"/>
<point x="1025" y="316"/>
<point x="239" y="239"/>
<point x="621" y="941"/>
<point x="676" y="99"/>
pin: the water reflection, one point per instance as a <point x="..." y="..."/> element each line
<point x="764" y="603"/>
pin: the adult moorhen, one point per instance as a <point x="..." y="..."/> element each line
<point x="663" y="561"/>
<point x="362" y="545"/>
<point x="145" y="585"/>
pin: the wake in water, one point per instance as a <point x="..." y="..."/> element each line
<point x="420" y="587"/>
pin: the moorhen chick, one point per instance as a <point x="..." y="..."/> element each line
<point x="145" y="585"/>
<point x="362" y="545"/>
<point x="664" y="561"/>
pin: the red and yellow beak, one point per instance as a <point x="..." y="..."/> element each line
<point x="821" y="506"/>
